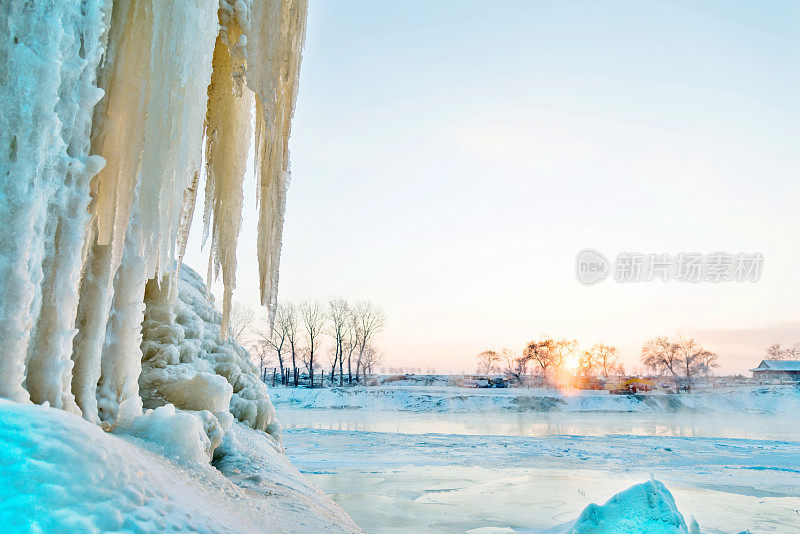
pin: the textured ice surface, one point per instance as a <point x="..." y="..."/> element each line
<point x="186" y="362"/>
<point x="441" y="467"/>
<point x="60" y="473"/>
<point x="647" y="508"/>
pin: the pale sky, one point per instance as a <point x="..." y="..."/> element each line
<point x="450" y="159"/>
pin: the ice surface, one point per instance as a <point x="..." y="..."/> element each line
<point x="424" y="460"/>
<point x="60" y="473"/>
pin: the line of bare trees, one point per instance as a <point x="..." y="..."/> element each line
<point x="298" y="333"/>
<point x="776" y="352"/>
<point x="547" y="357"/>
<point x="683" y="358"/>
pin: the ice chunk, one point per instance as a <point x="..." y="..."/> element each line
<point x="647" y="508"/>
<point x="203" y="392"/>
<point x="186" y="437"/>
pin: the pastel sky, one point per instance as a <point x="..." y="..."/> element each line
<point x="450" y="159"/>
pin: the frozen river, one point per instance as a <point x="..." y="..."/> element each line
<point x="505" y="471"/>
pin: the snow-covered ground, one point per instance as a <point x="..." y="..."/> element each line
<point x="442" y="459"/>
<point x="60" y="473"/>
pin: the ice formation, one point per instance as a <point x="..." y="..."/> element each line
<point x="108" y="111"/>
<point x="647" y="508"/>
<point x="187" y="364"/>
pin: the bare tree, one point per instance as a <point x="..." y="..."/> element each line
<point x="774" y="352"/>
<point x="488" y="361"/>
<point x="707" y="362"/>
<point x="561" y="351"/>
<point x="313" y="318"/>
<point x="290" y="324"/>
<point x="587" y="363"/>
<point x="540" y="352"/>
<point x="660" y="355"/>
<point x="372" y="357"/>
<point x="688" y="351"/>
<point x="338" y="313"/>
<point x="262" y="351"/>
<point x="349" y="346"/>
<point x="516" y="366"/>
<point x="606" y="358"/>
<point x="368" y="319"/>
<point x="241" y="318"/>
<point x="276" y="338"/>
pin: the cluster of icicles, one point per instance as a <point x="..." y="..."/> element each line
<point x="110" y="112"/>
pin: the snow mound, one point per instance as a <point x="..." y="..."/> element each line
<point x="647" y="508"/>
<point x="185" y="436"/>
<point x="186" y="363"/>
<point x="60" y="473"/>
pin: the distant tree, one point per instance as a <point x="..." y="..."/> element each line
<point x="606" y="358"/>
<point x="262" y="352"/>
<point x="241" y="318"/>
<point x="290" y="325"/>
<point x="774" y="352"/>
<point x="372" y="357"/>
<point x="516" y="366"/>
<point x="488" y="361"/>
<point x="313" y="318"/>
<point x="339" y="315"/>
<point x="707" y="362"/>
<point x="688" y="352"/>
<point x="660" y="355"/>
<point x="561" y="350"/>
<point x="275" y="339"/>
<point x="587" y="363"/>
<point x="540" y="352"/>
<point x="368" y="319"/>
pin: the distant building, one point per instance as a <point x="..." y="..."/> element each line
<point x="777" y="370"/>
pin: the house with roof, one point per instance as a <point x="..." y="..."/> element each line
<point x="777" y="370"/>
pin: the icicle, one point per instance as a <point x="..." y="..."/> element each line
<point x="184" y="36"/>
<point x="121" y="361"/>
<point x="227" y="141"/>
<point x="50" y="367"/>
<point x="187" y="214"/>
<point x="274" y="52"/>
<point x="118" y="132"/>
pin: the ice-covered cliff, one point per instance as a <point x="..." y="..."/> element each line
<point x="112" y="115"/>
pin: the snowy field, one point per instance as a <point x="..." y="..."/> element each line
<point x="445" y="459"/>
